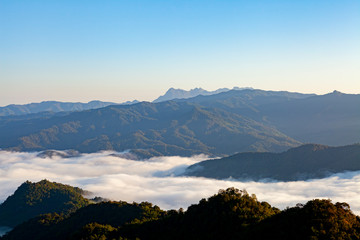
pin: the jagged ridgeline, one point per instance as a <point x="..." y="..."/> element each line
<point x="230" y="214"/>
<point x="33" y="199"/>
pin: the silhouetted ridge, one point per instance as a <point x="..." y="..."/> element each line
<point x="300" y="163"/>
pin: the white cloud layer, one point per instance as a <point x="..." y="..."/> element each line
<point x="156" y="181"/>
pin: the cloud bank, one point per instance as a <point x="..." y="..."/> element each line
<point x="108" y="175"/>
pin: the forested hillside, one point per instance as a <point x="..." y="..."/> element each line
<point x="33" y="199"/>
<point x="230" y="214"/>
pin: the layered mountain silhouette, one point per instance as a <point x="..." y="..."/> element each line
<point x="173" y="93"/>
<point x="50" y="106"/>
<point x="218" y="125"/>
<point x="305" y="162"/>
<point x="55" y="107"/>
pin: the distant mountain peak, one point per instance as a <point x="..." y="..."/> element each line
<point x="178" y="93"/>
<point x="336" y="92"/>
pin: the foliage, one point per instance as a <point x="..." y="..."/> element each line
<point x="88" y="222"/>
<point x="318" y="219"/>
<point x="230" y="214"/>
<point x="32" y="199"/>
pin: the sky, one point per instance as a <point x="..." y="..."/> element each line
<point x="135" y="49"/>
<point x="157" y="180"/>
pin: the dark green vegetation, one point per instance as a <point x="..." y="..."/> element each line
<point x="305" y="162"/>
<point x="218" y="125"/>
<point x="50" y="106"/>
<point x="32" y="199"/>
<point x="230" y="214"/>
<point x="105" y="215"/>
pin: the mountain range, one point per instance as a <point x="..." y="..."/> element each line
<point x="218" y="125"/>
<point x="308" y="161"/>
<point x="56" y="106"/>
<point x="148" y="129"/>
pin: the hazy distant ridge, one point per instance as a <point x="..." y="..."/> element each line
<point x="54" y="106"/>
<point x="173" y="93"/>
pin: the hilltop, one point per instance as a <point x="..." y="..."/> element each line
<point x="33" y="199"/>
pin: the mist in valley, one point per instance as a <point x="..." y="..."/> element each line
<point x="158" y="180"/>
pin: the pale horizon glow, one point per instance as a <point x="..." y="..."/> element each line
<point x="150" y="99"/>
<point x="78" y="51"/>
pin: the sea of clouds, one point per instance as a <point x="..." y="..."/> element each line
<point x="157" y="180"/>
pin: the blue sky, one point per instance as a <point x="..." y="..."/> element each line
<point x="125" y="50"/>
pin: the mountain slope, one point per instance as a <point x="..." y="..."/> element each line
<point x="332" y="119"/>
<point x="219" y="124"/>
<point x="245" y="100"/>
<point x="149" y="129"/>
<point x="304" y="162"/>
<point x="32" y="199"/>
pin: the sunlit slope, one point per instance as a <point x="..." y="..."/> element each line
<point x="149" y="129"/>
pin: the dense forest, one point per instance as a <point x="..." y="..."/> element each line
<point x="33" y="199"/>
<point x="229" y="214"/>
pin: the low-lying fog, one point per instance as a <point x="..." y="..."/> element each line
<point x="108" y="175"/>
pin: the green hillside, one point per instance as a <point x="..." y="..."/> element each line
<point x="33" y="199"/>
